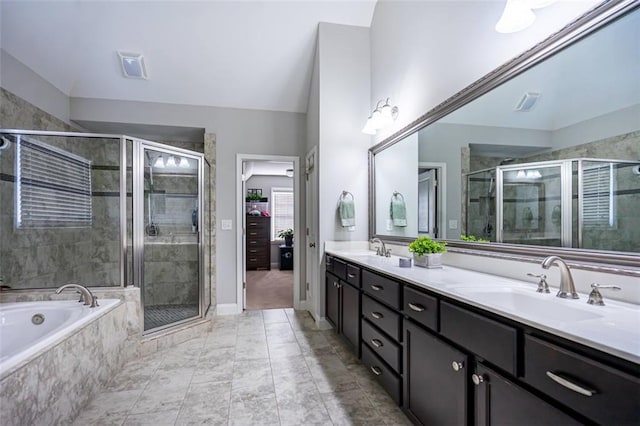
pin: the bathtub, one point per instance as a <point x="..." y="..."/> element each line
<point x="28" y="329"/>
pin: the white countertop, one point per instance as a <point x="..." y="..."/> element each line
<point x="613" y="328"/>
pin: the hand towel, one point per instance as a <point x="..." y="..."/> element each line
<point x="398" y="210"/>
<point x="347" y="212"/>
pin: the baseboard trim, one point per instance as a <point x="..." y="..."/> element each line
<point x="301" y="305"/>
<point x="227" y="309"/>
<point x="323" y="324"/>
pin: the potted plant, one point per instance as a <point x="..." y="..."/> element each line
<point x="427" y="252"/>
<point x="287" y="234"/>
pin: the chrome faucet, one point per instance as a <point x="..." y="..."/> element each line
<point x="567" y="287"/>
<point x="85" y="295"/>
<point x="382" y="250"/>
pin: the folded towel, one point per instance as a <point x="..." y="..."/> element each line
<point x="347" y="211"/>
<point x="398" y="210"/>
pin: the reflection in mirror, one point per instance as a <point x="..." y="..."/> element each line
<point x="548" y="158"/>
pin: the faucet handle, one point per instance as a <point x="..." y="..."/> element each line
<point x="543" y="287"/>
<point x="595" y="297"/>
<point x="387" y="253"/>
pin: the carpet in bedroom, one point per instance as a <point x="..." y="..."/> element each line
<point x="269" y="289"/>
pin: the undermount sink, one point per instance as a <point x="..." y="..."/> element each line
<point x="527" y="300"/>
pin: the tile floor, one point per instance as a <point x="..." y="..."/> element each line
<point x="268" y="367"/>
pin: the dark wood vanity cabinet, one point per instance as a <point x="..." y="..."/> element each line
<point x="435" y="379"/>
<point x="342" y="301"/>
<point x="499" y="401"/>
<point x="446" y="362"/>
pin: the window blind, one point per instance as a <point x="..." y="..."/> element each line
<point x="53" y="186"/>
<point x="597" y="205"/>
<point x="282" y="214"/>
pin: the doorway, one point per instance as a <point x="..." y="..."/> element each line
<point x="268" y="214"/>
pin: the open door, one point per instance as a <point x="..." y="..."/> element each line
<point x="311" y="234"/>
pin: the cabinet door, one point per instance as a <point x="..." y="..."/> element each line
<point x="500" y="402"/>
<point x="350" y="324"/>
<point x="332" y="300"/>
<point x="435" y="389"/>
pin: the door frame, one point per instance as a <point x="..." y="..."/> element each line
<point x="312" y="258"/>
<point x="441" y="195"/>
<point x="241" y="229"/>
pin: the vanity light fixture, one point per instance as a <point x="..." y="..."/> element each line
<point x="517" y="16"/>
<point x="171" y="161"/>
<point x="184" y="163"/>
<point x="381" y="117"/>
<point x="159" y="163"/>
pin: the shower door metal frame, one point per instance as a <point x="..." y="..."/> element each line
<point x="139" y="145"/>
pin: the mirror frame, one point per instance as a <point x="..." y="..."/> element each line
<point x="588" y="23"/>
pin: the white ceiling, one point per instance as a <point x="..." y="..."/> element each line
<point x="239" y="54"/>
<point x="266" y="168"/>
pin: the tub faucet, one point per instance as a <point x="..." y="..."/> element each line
<point x="86" y="296"/>
<point x="382" y="250"/>
<point x="567" y="288"/>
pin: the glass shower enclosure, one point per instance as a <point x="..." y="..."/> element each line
<point x="107" y="211"/>
<point x="580" y="203"/>
<point x="167" y="223"/>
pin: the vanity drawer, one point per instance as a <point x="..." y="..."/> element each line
<point x="383" y="374"/>
<point x="421" y="307"/>
<point x="381" y="288"/>
<point x="382" y="345"/>
<point x="615" y="396"/>
<point x="353" y="275"/>
<point x="489" y="339"/>
<point x="382" y="317"/>
<point x="339" y="268"/>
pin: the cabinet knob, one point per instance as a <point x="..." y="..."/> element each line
<point x="377" y="343"/>
<point x="376" y="315"/>
<point x="477" y="379"/>
<point x="457" y="366"/>
<point x="351" y="275"/>
<point x="376" y="370"/>
<point x="376" y="287"/>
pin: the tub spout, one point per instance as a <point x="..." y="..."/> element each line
<point x="86" y="296"/>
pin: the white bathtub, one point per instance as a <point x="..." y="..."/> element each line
<point x="21" y="340"/>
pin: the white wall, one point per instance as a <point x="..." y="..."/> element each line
<point x="424" y="52"/>
<point x="237" y="131"/>
<point x="20" y="80"/>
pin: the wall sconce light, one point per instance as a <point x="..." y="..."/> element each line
<point x="159" y="163"/>
<point x="380" y="118"/>
<point x="171" y="161"/>
<point x="184" y="163"/>
<point x="518" y="14"/>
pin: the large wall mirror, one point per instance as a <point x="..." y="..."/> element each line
<point x="542" y="155"/>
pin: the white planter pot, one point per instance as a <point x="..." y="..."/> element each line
<point x="431" y="261"/>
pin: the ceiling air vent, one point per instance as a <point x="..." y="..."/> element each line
<point x="133" y="65"/>
<point x="528" y="101"/>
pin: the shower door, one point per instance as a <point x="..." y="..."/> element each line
<point x="168" y="195"/>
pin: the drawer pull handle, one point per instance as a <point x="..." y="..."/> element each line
<point x="351" y="275"/>
<point x="376" y="287"/>
<point x="253" y="224"/>
<point x="377" y="315"/>
<point x="377" y="343"/>
<point x="253" y="233"/>
<point x="376" y="370"/>
<point x="569" y="384"/>
<point x="252" y="251"/>
<point x="416" y="307"/>
<point x="252" y="260"/>
<point x="477" y="379"/>
<point x="253" y="242"/>
<point x="457" y="366"/>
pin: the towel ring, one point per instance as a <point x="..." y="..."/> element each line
<point x="345" y="193"/>
<point x="397" y="194"/>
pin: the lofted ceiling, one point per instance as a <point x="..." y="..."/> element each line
<point x="237" y="54"/>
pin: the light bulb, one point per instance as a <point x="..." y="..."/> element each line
<point x="516" y="17"/>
